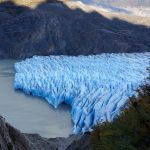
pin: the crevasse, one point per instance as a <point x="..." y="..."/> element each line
<point x="96" y="87"/>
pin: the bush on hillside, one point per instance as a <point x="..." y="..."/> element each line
<point x="130" y="131"/>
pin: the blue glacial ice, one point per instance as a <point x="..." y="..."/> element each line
<point x="96" y="87"/>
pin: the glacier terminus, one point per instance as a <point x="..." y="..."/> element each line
<point x="97" y="87"/>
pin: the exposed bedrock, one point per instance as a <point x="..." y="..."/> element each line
<point x="10" y="138"/>
<point x="55" y="28"/>
<point x="13" y="139"/>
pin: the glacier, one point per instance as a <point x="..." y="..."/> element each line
<point x="97" y="87"/>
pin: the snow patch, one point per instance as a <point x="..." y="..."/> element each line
<point x="96" y="87"/>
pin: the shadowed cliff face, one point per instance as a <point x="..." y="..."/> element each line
<point x="13" y="139"/>
<point x="54" y="28"/>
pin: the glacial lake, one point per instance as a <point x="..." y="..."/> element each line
<point x="30" y="114"/>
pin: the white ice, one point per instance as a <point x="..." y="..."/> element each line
<point x="96" y="87"/>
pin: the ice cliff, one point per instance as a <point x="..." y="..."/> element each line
<point x="96" y="87"/>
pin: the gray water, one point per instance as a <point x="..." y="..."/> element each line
<point x="30" y="114"/>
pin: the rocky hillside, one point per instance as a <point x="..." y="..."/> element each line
<point x="13" y="139"/>
<point x="68" y="28"/>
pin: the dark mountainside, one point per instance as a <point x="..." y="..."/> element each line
<point x="53" y="28"/>
<point x="13" y="139"/>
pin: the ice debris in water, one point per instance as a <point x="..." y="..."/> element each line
<point x="96" y="87"/>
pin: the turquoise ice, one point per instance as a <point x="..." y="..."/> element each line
<point x="96" y="87"/>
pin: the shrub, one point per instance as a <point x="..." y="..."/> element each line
<point x="130" y="131"/>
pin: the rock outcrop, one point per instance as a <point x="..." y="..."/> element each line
<point x="13" y="139"/>
<point x="68" y="28"/>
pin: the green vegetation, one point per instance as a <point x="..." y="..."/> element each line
<point x="130" y="131"/>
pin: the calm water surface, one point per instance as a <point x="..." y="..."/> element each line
<point x="30" y="114"/>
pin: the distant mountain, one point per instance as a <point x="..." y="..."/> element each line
<point x="124" y="3"/>
<point x="132" y="7"/>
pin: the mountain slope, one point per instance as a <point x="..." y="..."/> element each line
<point x="70" y="29"/>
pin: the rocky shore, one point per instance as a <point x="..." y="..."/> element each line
<point x="13" y="139"/>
